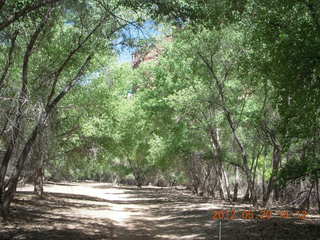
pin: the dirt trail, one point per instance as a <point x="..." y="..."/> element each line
<point x="95" y="211"/>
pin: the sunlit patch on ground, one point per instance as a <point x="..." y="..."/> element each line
<point x="94" y="211"/>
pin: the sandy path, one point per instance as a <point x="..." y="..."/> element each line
<point x="98" y="211"/>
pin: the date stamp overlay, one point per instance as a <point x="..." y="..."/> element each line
<point x="252" y="214"/>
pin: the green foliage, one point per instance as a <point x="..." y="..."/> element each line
<point x="245" y="67"/>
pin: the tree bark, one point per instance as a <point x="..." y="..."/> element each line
<point x="226" y="182"/>
<point x="19" y="116"/>
<point x="38" y="165"/>
<point x="264" y="177"/>
<point x="236" y="185"/>
<point x="10" y="59"/>
<point x="219" y="83"/>
<point x="317" y="192"/>
<point x="306" y="203"/>
<point x="276" y="157"/>
<point x="218" y="159"/>
<point x="8" y="193"/>
<point x="38" y="181"/>
<point x="221" y="190"/>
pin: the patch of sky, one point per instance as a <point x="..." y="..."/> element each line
<point x="125" y="44"/>
<point x="69" y="23"/>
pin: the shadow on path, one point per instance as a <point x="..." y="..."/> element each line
<point x="84" y="211"/>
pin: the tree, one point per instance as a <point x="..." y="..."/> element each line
<point x="49" y="71"/>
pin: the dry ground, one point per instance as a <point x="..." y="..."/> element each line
<point x="95" y="211"/>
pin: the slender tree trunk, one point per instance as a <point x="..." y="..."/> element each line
<point x="37" y="162"/>
<point x="38" y="181"/>
<point x="276" y="192"/>
<point x="5" y="205"/>
<point x="236" y="184"/>
<point x="221" y="190"/>
<point x="9" y="62"/>
<point x="6" y="193"/>
<point x="263" y="183"/>
<point x="218" y="159"/>
<point x="226" y="182"/>
<point x="317" y="192"/>
<point x="213" y="185"/>
<point x="306" y="202"/>
<point x="255" y="166"/>
<point x="275" y="166"/>
<point x="247" y="194"/>
<point x="205" y="184"/>
<point x="8" y="190"/>
<point x="9" y="193"/>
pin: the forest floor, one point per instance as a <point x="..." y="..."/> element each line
<point x="96" y="211"/>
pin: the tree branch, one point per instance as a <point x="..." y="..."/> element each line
<point x="23" y="12"/>
<point x="69" y="57"/>
<point x="2" y="2"/>
<point x="28" y="53"/>
<point x="23" y="93"/>
<point x="9" y="62"/>
<point x="72" y="83"/>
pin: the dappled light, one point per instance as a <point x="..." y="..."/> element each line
<point x="159" y="119"/>
<point x="100" y="211"/>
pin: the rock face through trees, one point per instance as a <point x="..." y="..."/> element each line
<point x="150" y="54"/>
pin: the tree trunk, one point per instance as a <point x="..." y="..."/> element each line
<point x="264" y="178"/>
<point x="306" y="203"/>
<point x="254" y="197"/>
<point x="317" y="192"/>
<point x="5" y="205"/>
<point x="275" y="166"/>
<point x="7" y="190"/>
<point x="236" y="185"/>
<point x="226" y="183"/>
<point x="246" y="197"/>
<point x="276" y="192"/>
<point x="37" y="162"/>
<point x="218" y="159"/>
<point x="38" y="181"/>
<point x="8" y="193"/>
<point x="221" y="190"/>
